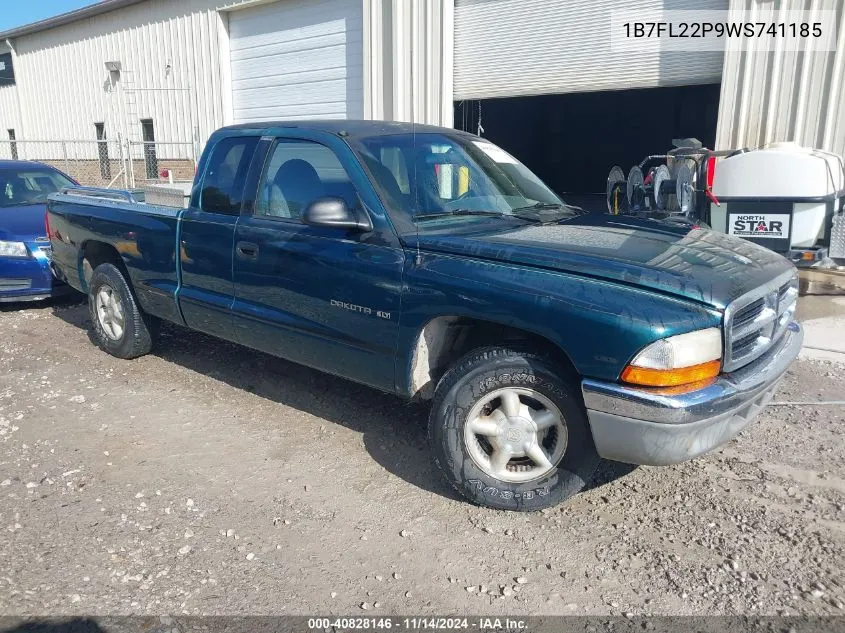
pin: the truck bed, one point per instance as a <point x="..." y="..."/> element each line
<point x="145" y="236"/>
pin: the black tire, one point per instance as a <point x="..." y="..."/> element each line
<point x="481" y="372"/>
<point x="139" y="330"/>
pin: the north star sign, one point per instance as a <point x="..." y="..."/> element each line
<point x="769" y="225"/>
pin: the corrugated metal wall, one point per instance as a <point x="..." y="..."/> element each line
<point x="169" y="74"/>
<point x="9" y="111"/>
<point x="509" y="48"/>
<point x="781" y="95"/>
<point x="176" y="71"/>
<point x="408" y="60"/>
<point x="173" y="72"/>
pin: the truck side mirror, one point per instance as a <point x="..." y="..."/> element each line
<point x="333" y="212"/>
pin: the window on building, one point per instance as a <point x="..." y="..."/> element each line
<point x="7" y="71"/>
<point x="103" y="150"/>
<point x="297" y="174"/>
<point x="150" y="157"/>
<point x="13" y="146"/>
<point x="223" y="183"/>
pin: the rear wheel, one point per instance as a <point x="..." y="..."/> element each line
<point x="508" y="432"/>
<point x="119" y="325"/>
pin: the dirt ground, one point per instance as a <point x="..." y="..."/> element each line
<point x="210" y="479"/>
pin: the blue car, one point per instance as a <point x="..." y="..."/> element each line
<point x="25" y="273"/>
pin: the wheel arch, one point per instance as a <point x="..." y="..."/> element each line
<point x="92" y="253"/>
<point x="442" y="340"/>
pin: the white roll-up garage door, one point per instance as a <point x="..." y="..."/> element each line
<point x="297" y="59"/>
<point x="528" y="47"/>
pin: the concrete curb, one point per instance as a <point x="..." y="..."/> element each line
<point x="824" y="339"/>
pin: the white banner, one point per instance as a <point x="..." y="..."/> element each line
<point x="659" y="30"/>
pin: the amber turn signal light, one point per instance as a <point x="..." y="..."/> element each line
<point x="648" y="377"/>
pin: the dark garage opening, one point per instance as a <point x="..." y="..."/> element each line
<point x="572" y="140"/>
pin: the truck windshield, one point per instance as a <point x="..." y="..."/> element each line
<point x="20" y="187"/>
<point x="442" y="178"/>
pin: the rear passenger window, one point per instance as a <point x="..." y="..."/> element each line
<point x="296" y="174"/>
<point x="223" y="184"/>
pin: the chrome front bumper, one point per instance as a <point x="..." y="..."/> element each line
<point x="641" y="426"/>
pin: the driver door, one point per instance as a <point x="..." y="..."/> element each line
<point x="323" y="297"/>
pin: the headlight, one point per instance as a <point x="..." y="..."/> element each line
<point x="13" y="249"/>
<point x="677" y="360"/>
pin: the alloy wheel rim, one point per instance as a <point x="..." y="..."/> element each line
<point x="110" y="313"/>
<point x="515" y="435"/>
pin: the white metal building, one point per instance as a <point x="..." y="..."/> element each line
<point x="161" y="75"/>
<point x="538" y="76"/>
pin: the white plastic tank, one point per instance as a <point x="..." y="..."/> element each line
<point x="784" y="184"/>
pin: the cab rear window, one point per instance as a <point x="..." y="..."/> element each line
<point x="223" y="183"/>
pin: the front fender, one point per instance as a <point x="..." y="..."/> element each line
<point x="600" y="325"/>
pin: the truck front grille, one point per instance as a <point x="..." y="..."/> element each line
<point x="755" y="321"/>
<point x="750" y="312"/>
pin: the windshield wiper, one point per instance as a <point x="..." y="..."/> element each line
<point x="452" y="212"/>
<point x="536" y="212"/>
<point x="543" y="206"/>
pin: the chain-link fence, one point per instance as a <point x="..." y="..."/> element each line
<point x="109" y="163"/>
<point x="152" y="161"/>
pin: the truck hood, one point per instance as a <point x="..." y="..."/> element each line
<point x="694" y="263"/>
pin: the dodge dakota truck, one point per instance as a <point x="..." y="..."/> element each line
<point x="432" y="264"/>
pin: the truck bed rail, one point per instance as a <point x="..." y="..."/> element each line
<point x="119" y="195"/>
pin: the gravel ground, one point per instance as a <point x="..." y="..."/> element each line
<point x="210" y="479"/>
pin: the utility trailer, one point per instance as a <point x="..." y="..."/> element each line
<point x="785" y="197"/>
<point x="788" y="198"/>
<point x="675" y="186"/>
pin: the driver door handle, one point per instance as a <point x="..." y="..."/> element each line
<point x="247" y="250"/>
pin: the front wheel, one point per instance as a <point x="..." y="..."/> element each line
<point x="509" y="433"/>
<point x="120" y="327"/>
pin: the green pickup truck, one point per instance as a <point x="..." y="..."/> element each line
<point x="432" y="264"/>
